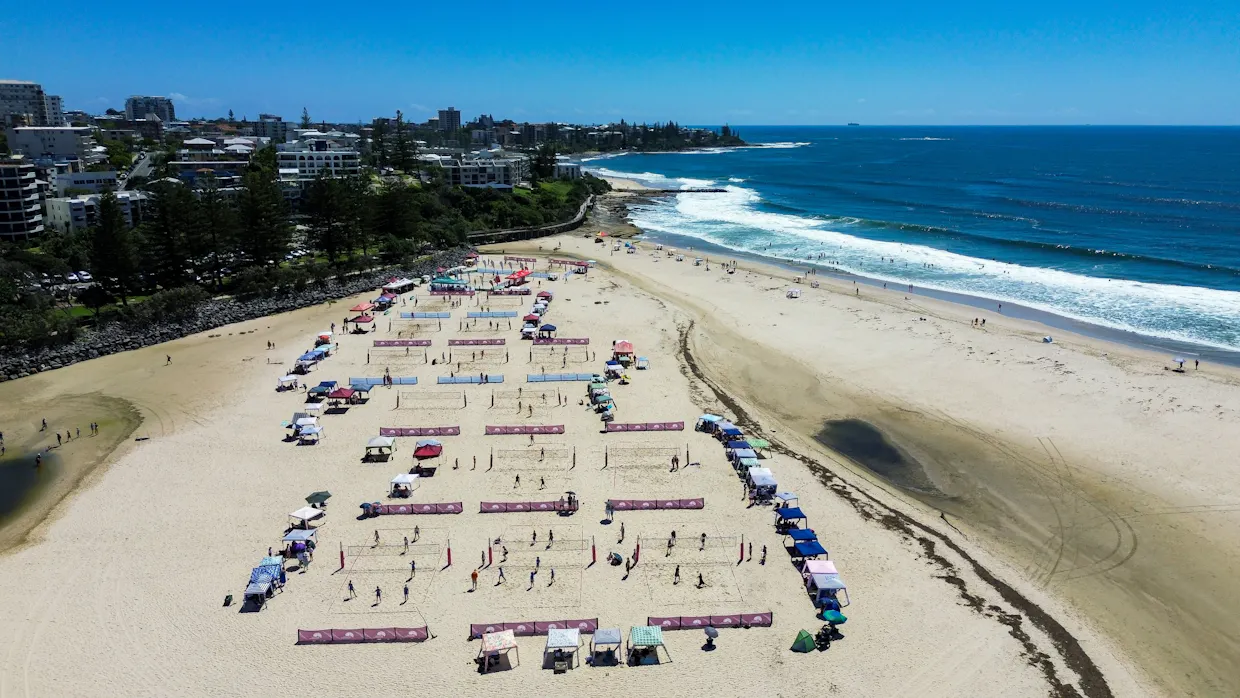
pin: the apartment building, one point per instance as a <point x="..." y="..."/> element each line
<point x="21" y="215"/>
<point x="93" y="182"/>
<point x="74" y="213"/>
<point x="22" y="103"/>
<point x="47" y="144"/>
<point x="138" y="107"/>
<point x="301" y="161"/>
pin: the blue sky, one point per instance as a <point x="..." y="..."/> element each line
<point x="1049" y="62"/>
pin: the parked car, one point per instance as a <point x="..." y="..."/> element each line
<point x="85" y="276"/>
<point x="71" y="278"/>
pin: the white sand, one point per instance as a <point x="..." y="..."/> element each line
<point x="120" y="592"/>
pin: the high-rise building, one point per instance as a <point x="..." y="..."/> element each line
<point x="271" y="126"/>
<point x="55" y="111"/>
<point x="20" y="208"/>
<point x="47" y="144"/>
<point x="137" y="107"/>
<point x="22" y="103"/>
<point x="449" y="119"/>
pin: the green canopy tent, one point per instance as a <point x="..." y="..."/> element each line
<point x="804" y="642"/>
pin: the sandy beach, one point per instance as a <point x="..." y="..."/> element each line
<point x="1035" y="519"/>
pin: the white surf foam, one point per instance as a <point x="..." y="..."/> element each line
<point x="734" y="220"/>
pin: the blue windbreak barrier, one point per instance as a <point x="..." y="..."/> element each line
<point x="497" y="378"/>
<point x="425" y="316"/>
<point x="555" y="377"/>
<point x="492" y="313"/>
<point x="396" y="380"/>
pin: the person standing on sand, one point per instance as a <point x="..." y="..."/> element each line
<point x="79" y="433"/>
<point x="352" y="592"/>
<point x="406" y="595"/>
<point x="44" y="425"/>
<point x="57" y="438"/>
<point x="413" y="568"/>
<point x="378" y="595"/>
<point x="376" y="538"/>
<point x="517" y="481"/>
<point x="701" y="582"/>
<point x="168" y="362"/>
<point x="763" y="560"/>
<point x="473" y="580"/>
<point x="406" y="545"/>
<point x="676" y="576"/>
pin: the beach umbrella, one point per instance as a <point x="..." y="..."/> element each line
<point x="547" y="328"/>
<point x="711" y="632"/>
<point x="318" y="497"/>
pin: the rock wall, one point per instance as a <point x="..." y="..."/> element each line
<point x="117" y="337"/>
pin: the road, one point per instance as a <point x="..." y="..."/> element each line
<point x="144" y="168"/>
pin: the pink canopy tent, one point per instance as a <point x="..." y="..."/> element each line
<point x="428" y="451"/>
<point x="362" y="307"/>
<point x="363" y="319"/>
<point x="623" y="346"/>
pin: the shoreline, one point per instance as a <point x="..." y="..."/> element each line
<point x="993" y="467"/>
<point x="1050" y="320"/>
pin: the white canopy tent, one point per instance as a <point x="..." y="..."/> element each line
<point x="381" y="442"/>
<point x="303" y="516"/>
<point x="562" y="645"/>
<point x="406" y="481"/>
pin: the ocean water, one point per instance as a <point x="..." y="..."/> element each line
<point x="1129" y="228"/>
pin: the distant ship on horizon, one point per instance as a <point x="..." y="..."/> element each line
<point x="853" y="123"/>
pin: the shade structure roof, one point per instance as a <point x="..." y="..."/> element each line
<point x="828" y="581"/>
<point x="496" y="642"/>
<point x="802" y="534"/>
<point x="759" y="443"/>
<point x="710" y="418"/>
<point x="738" y="444"/>
<point x="744" y="453"/>
<point x="404" y="479"/>
<point x="531" y="318"/>
<point x="428" y="451"/>
<point x="312" y="406"/>
<point x="623" y="346"/>
<point x="429" y="442"/>
<point x="288" y="379"/>
<point x="790" y="513"/>
<point x="786" y="496"/>
<point x="362" y="307"/>
<point x="362" y="319"/>
<point x="750" y="463"/>
<point x="299" y="535"/>
<point x="819" y="567"/>
<point x="381" y="442"/>
<point x="309" y="356"/>
<point x="646" y="636"/>
<point x="607" y="636"/>
<point x="563" y="638"/>
<point x="732" y="431"/>
<point x="544" y="294"/>
<point x="307" y="514"/>
<point x="307" y="421"/>
<point x="341" y="393"/>
<point x="311" y="431"/>
<point x="547" y="328"/>
<point x="811" y="547"/>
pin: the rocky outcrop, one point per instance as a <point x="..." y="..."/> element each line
<point x="117" y="337"/>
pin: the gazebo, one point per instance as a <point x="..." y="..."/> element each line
<point x="380" y="448"/>
<point x="303" y="516"/>
<point x="494" y="645"/>
<point x="562" y="648"/>
<point x="403" y="485"/>
<point x="605" y="646"/>
<point x="644" y="644"/>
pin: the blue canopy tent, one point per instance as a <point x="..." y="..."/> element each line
<point x="802" y="534"/>
<point x="790" y="514"/>
<point x="309" y="356"/>
<point x="707" y="422"/>
<point x="739" y="453"/>
<point x="731" y="431"/>
<point x="738" y="444"/>
<point x="811" y="548"/>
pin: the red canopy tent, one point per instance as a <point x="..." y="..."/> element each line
<point x="428" y="451"/>
<point x="530" y="318"/>
<point x="518" y="277"/>
<point x="623" y="346"/>
<point x="362" y="319"/>
<point x="341" y="394"/>
<point x="544" y="294"/>
<point x="471" y="255"/>
<point x="362" y="307"/>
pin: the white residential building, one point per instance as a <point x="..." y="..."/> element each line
<point x="137" y="107"/>
<point x="22" y="103"/>
<point x="301" y="161"/>
<point x="94" y="182"/>
<point x="55" y="110"/>
<point x="76" y="213"/>
<point x="21" y="215"/>
<point x="570" y="170"/>
<point x="496" y="173"/>
<point x="55" y="143"/>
